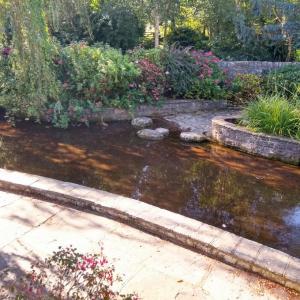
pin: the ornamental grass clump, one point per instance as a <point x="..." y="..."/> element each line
<point x="273" y="115"/>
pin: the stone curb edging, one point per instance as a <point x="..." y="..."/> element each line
<point x="212" y="241"/>
<point x="168" y="107"/>
<point x="225" y="132"/>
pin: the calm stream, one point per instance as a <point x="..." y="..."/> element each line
<point x="253" y="197"/>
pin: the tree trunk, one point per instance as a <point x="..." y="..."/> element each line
<point x="156" y="28"/>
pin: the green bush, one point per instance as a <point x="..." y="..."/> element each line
<point x="96" y="73"/>
<point x="92" y="77"/>
<point x="273" y="115"/>
<point x="245" y="88"/>
<point x="181" y="71"/>
<point x="187" y="37"/>
<point x="154" y="55"/>
<point x="284" y="81"/>
<point x="206" y="88"/>
<point x="210" y="82"/>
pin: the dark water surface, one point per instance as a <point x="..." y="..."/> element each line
<point x="253" y="197"/>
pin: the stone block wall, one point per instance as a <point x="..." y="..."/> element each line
<point x="225" y="132"/>
<point x="252" y="67"/>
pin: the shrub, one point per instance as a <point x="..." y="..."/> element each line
<point x="187" y="37"/>
<point x="273" y="115"/>
<point x="91" y="77"/>
<point x="284" y="81"/>
<point x="96" y="73"/>
<point x="151" y="81"/>
<point x="210" y="80"/>
<point x="181" y="71"/>
<point x="154" y="55"/>
<point x="68" y="274"/>
<point x="97" y="76"/>
<point x="245" y="88"/>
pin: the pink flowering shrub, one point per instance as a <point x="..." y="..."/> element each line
<point x="205" y="61"/>
<point x="210" y="81"/>
<point x="68" y="274"/>
<point x="151" y="81"/>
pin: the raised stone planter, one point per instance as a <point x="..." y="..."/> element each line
<point x="225" y="132"/>
<point x="168" y="107"/>
<point x="214" y="242"/>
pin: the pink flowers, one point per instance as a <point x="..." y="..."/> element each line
<point x="152" y="79"/>
<point x="71" y="275"/>
<point x="205" y="60"/>
<point x="6" y="51"/>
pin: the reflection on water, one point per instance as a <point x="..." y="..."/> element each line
<point x="256" y="198"/>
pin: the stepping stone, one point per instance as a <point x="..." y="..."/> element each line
<point x="193" y="137"/>
<point x="163" y="131"/>
<point x="142" y="122"/>
<point x="150" y="134"/>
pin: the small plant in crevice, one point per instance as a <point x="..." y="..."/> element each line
<point x="69" y="274"/>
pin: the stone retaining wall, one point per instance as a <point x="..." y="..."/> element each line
<point x="168" y="107"/>
<point x="227" y="133"/>
<point x="212" y="241"/>
<point x="252" y="67"/>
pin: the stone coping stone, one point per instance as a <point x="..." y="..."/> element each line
<point x="227" y="133"/>
<point x="168" y="107"/>
<point x="212" y="241"/>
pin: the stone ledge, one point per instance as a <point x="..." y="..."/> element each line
<point x="168" y="107"/>
<point x="229" y="134"/>
<point x="212" y="241"/>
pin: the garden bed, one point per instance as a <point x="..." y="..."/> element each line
<point x="226" y="132"/>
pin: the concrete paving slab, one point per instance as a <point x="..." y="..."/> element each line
<point x="154" y="268"/>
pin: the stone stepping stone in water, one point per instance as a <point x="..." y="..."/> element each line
<point x="163" y="131"/>
<point x="193" y="137"/>
<point x="153" y="134"/>
<point x="142" y="122"/>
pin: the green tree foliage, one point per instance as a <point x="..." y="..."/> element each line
<point x="247" y="29"/>
<point x="32" y="80"/>
<point x="117" y="26"/>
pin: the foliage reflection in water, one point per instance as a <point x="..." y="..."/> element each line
<point x="253" y="197"/>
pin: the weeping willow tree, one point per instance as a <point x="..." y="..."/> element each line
<point x="27" y="75"/>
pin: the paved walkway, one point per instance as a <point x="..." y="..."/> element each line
<point x="31" y="229"/>
<point x="199" y="122"/>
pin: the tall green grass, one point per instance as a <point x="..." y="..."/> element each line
<point x="273" y="115"/>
